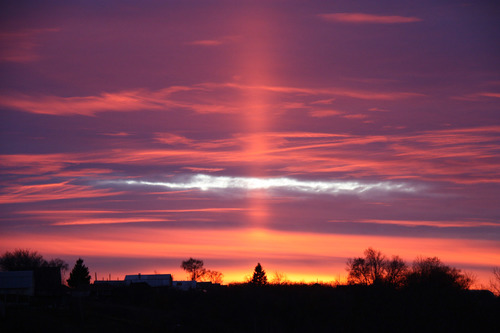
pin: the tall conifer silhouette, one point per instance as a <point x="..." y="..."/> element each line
<point x="79" y="276"/>
<point x="259" y="276"/>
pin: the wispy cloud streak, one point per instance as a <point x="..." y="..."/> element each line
<point x="201" y="98"/>
<point x="95" y="221"/>
<point x="20" y="46"/>
<point x="420" y="223"/>
<point x="51" y="191"/>
<point x="444" y="155"/>
<point x="211" y="183"/>
<point x="362" y="18"/>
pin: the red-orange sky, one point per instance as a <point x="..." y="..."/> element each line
<point x="292" y="133"/>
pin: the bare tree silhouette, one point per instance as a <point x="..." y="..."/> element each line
<point x="21" y="260"/>
<point x="194" y="267"/>
<point x="495" y="281"/>
<point x="375" y="268"/>
<point x="396" y="272"/>
<point x="26" y="260"/>
<point x="214" y="276"/>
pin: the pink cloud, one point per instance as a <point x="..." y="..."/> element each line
<point x="324" y="101"/>
<point x="87" y="172"/>
<point x="429" y="155"/>
<point x="69" y="217"/>
<point x="51" y="191"/>
<point x="353" y="93"/>
<point x="88" y="106"/>
<point x="101" y="220"/>
<point x="325" y="113"/>
<point x="361" y="18"/>
<point x="378" y="110"/>
<point x="117" y="134"/>
<point x="172" y="139"/>
<point x="437" y="224"/>
<point x="355" y="116"/>
<point x="197" y="169"/>
<point x="490" y="94"/>
<point x="206" y="42"/>
<point x="123" y="101"/>
<point x="477" y="97"/>
<point x="20" y="46"/>
<point x="213" y="42"/>
<point x="201" y="98"/>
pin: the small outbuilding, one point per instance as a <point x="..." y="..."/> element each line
<point x="20" y="283"/>
<point x="185" y="285"/>
<point x="153" y="280"/>
<point x="21" y="286"/>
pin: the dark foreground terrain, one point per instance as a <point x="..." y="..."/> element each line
<point x="243" y="308"/>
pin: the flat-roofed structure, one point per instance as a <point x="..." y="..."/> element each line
<point x="153" y="280"/>
<point x="17" y="283"/>
<point x="185" y="285"/>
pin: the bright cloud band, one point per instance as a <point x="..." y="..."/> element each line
<point x="207" y="183"/>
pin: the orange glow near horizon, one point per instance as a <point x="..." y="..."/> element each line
<point x="297" y="255"/>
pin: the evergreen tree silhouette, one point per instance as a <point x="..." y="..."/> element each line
<point x="79" y="277"/>
<point x="259" y="276"/>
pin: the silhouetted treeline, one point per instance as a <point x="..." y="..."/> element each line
<point x="25" y="260"/>
<point x="425" y="273"/>
<point x="382" y="295"/>
<point x="267" y="308"/>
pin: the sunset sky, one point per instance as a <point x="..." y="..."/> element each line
<point x="137" y="134"/>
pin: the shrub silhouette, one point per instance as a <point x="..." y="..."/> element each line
<point x="431" y="273"/>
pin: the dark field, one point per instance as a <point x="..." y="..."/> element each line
<point x="272" y="308"/>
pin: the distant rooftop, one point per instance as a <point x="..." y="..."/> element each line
<point x="154" y="280"/>
<point x="148" y="277"/>
<point x="17" y="280"/>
